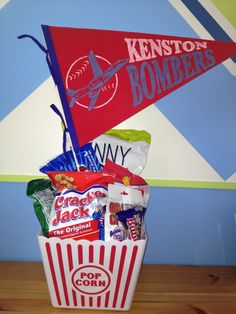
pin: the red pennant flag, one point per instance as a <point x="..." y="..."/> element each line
<point x="104" y="77"/>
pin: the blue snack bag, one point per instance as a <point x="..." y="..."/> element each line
<point x="86" y="160"/>
<point x="86" y="157"/>
<point x="60" y="163"/>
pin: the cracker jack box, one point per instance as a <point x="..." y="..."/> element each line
<point x="91" y="275"/>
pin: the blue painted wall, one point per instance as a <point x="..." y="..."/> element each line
<point x="185" y="226"/>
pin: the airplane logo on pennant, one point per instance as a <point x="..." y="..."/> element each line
<point x="104" y="77"/>
<point x="98" y="83"/>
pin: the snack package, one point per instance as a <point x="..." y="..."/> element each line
<point x="128" y="148"/>
<point x="43" y="194"/>
<point x="120" y="199"/>
<point x="86" y="161"/>
<point x="126" y="177"/>
<point x="79" y="205"/>
<point x="133" y="221"/>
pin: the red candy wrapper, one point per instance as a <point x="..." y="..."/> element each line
<point x="127" y="178"/>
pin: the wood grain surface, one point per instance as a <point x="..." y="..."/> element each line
<point x="160" y="290"/>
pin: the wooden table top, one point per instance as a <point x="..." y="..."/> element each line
<point x="160" y="290"/>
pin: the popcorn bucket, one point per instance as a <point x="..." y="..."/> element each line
<point x="91" y="275"/>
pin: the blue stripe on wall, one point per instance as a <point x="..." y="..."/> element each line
<point x="207" y="21"/>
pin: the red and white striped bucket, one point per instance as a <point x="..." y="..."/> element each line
<point x="91" y="275"/>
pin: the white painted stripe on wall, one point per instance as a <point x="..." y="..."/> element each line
<point x="32" y="134"/>
<point x="232" y="178"/>
<point x="171" y="156"/>
<point x="219" y="17"/>
<point x="3" y="3"/>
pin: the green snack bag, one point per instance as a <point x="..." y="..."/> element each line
<point x="43" y="194"/>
